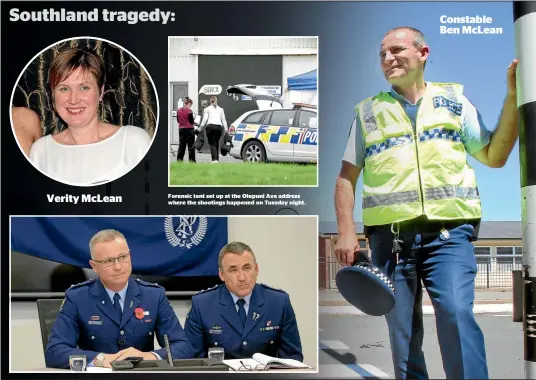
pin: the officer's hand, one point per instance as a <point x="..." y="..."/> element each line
<point x="511" y="78"/>
<point x="345" y="249"/>
<point x="108" y="358"/>
<point x="131" y="351"/>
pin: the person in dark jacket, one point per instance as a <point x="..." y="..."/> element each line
<point x="185" y="118"/>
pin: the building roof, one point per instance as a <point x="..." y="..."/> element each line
<point x="488" y="230"/>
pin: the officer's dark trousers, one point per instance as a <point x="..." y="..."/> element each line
<point x="447" y="268"/>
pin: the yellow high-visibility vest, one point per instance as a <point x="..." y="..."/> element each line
<point x="411" y="173"/>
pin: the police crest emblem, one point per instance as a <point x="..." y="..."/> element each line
<point x="185" y="231"/>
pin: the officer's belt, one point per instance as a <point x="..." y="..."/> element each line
<point x="422" y="225"/>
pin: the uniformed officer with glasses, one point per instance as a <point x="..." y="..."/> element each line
<point x="115" y="316"/>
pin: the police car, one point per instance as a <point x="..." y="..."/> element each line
<point x="274" y="133"/>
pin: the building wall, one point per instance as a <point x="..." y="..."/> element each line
<point x="494" y="267"/>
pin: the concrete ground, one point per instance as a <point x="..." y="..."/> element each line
<point x="358" y="347"/>
<point x="354" y="345"/>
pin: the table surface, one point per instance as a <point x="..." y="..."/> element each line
<point x="109" y="370"/>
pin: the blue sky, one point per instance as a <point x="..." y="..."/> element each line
<point x="479" y="62"/>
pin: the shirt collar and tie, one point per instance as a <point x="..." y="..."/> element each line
<point x="241" y="306"/>
<point x="122" y="293"/>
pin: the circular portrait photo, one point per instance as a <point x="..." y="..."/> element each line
<point x="84" y="111"/>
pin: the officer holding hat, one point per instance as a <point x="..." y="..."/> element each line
<point x="242" y="316"/>
<point x="421" y="206"/>
<point x="115" y="316"/>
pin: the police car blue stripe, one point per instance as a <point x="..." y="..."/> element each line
<point x="238" y="136"/>
<point x="295" y="139"/>
<point x="262" y="129"/>
<point x="282" y="130"/>
<point x="274" y="137"/>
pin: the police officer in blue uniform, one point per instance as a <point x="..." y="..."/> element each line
<point x="114" y="316"/>
<point x="242" y="316"/>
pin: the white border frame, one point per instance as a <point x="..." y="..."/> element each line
<point x="300" y="51"/>
<point x="59" y="371"/>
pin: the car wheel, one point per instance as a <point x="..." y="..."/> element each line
<point x="254" y="152"/>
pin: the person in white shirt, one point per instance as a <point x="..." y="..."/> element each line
<point x="89" y="151"/>
<point x="216" y="125"/>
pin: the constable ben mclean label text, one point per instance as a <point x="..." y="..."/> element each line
<point x="472" y="28"/>
<point x="86" y="198"/>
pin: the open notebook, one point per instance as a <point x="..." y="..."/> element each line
<point x="261" y="361"/>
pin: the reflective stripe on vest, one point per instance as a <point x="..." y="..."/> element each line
<point x="410" y="172"/>
<point x="413" y="196"/>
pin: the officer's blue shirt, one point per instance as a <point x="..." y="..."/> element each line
<point x="246" y="298"/>
<point x="122" y="294"/>
<point x="475" y="136"/>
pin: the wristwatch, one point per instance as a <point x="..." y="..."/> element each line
<point x="99" y="359"/>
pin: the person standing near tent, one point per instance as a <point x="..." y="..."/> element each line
<point x="216" y="125"/>
<point x="185" y="118"/>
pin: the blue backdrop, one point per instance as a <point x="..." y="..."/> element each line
<point x="163" y="246"/>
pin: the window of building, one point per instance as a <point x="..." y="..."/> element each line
<point x="505" y="255"/>
<point x="482" y="255"/>
<point x="518" y="256"/>
<point x="509" y="258"/>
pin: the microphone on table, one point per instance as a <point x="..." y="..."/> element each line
<point x="168" y="350"/>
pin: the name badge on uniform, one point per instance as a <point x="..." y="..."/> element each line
<point x="99" y="323"/>
<point x="215" y="330"/>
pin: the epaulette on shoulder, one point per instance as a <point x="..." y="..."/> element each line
<point x="146" y="283"/>
<point x="269" y="287"/>
<point x="209" y="289"/>
<point x="91" y="281"/>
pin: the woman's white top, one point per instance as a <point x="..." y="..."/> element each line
<point x="91" y="164"/>
<point x="214" y="115"/>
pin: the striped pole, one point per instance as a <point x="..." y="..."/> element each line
<point x="525" y="31"/>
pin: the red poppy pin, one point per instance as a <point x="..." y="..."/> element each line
<point x="138" y="312"/>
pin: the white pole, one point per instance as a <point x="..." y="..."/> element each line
<point x="525" y="32"/>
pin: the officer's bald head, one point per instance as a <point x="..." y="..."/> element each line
<point x="419" y="41"/>
<point x="104" y="236"/>
<point x="418" y="37"/>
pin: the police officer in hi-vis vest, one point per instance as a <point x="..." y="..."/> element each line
<point x="421" y="206"/>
